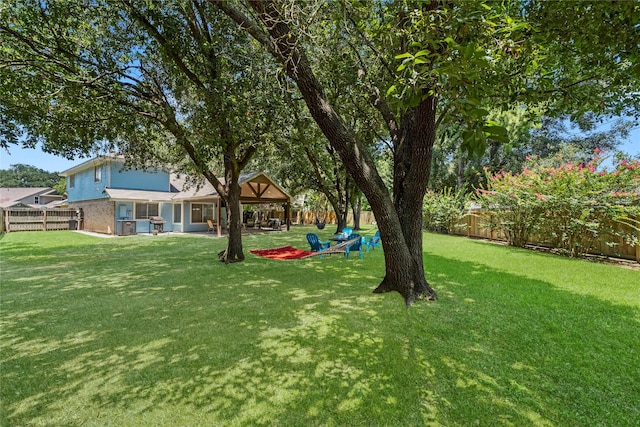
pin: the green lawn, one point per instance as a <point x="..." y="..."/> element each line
<point x="145" y="330"/>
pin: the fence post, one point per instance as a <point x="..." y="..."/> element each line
<point x="638" y="246"/>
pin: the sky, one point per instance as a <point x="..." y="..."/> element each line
<point x="51" y="163"/>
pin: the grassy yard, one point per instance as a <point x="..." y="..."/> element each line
<point x="145" y="330"/>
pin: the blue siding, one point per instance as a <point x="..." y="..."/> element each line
<point x="166" y="212"/>
<point x="137" y="179"/>
<point x="113" y="176"/>
<point x="187" y="225"/>
<point x="124" y="210"/>
<point x="85" y="187"/>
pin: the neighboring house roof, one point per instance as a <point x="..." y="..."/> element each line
<point x="15" y="196"/>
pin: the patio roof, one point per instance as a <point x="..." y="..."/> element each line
<point x="254" y="188"/>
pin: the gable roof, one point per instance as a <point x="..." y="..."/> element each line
<point x="96" y="161"/>
<point x="12" y="196"/>
<point x="255" y="188"/>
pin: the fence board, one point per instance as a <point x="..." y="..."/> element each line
<point x="26" y="219"/>
<point x="474" y="224"/>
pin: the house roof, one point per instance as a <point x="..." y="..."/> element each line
<point x="12" y="196"/>
<point x="91" y="163"/>
<point x="139" y="195"/>
<point x="255" y="188"/>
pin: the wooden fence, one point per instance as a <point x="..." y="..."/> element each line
<point x="26" y="219"/>
<point x="309" y="217"/>
<point x="475" y="223"/>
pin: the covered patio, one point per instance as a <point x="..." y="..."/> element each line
<point x="272" y="201"/>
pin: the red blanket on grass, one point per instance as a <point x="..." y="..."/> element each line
<point x="284" y="252"/>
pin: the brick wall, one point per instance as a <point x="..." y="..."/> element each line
<point x="98" y="215"/>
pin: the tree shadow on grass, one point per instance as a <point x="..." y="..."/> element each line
<point x="262" y="344"/>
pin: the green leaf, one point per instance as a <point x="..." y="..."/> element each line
<point x="450" y="41"/>
<point x="391" y="90"/>
<point x="478" y="113"/>
<point x="403" y="56"/>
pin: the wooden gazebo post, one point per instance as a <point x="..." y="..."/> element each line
<point x="287" y="215"/>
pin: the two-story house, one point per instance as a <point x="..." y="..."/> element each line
<point x="113" y="198"/>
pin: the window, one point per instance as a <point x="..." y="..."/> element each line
<point x="145" y="210"/>
<point x="97" y="174"/>
<point x="36" y="200"/>
<point x="177" y="214"/>
<point x="201" y="212"/>
<point x="72" y="181"/>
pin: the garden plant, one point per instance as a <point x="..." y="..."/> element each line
<point x="567" y="206"/>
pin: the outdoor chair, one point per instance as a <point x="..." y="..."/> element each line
<point x="316" y="244"/>
<point x="341" y="248"/>
<point x="211" y="226"/>
<point x="346" y="232"/>
<point x="374" y="241"/>
<point x="355" y="246"/>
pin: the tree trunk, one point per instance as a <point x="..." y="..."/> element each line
<point x="234" y="252"/>
<point x="356" y="208"/>
<point x="412" y="165"/>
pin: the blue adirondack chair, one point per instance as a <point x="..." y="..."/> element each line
<point x="373" y="241"/>
<point x="316" y="244"/>
<point x="356" y="246"/>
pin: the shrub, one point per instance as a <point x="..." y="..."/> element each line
<point x="570" y="206"/>
<point x="514" y="203"/>
<point x="442" y="212"/>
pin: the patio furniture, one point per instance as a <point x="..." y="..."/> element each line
<point x="355" y="246"/>
<point x="316" y="244"/>
<point x="344" y="247"/>
<point x="211" y="226"/>
<point x="373" y="241"/>
<point x="346" y="232"/>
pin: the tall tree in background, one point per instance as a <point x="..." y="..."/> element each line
<point x="456" y="58"/>
<point x="27" y="176"/>
<point x="161" y="82"/>
<point x="528" y="137"/>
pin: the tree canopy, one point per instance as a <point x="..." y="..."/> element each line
<point x="202" y="80"/>
<point x="27" y="176"/>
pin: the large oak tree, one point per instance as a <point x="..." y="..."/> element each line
<point x="458" y="59"/>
